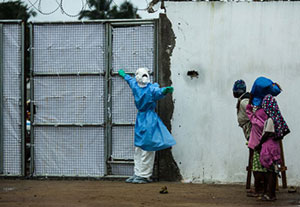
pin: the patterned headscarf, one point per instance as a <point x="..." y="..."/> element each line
<point x="270" y="106"/>
<point x="239" y="86"/>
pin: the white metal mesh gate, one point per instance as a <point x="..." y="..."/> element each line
<point x="68" y="63"/>
<point x="11" y="119"/>
<point x="132" y="47"/>
<point x="84" y="113"/>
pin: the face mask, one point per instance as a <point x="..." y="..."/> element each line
<point x="145" y="80"/>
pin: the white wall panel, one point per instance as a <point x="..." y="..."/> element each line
<point x="223" y="42"/>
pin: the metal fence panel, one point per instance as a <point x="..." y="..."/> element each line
<point x="123" y="108"/>
<point x="60" y="51"/>
<point x="69" y="99"/>
<point x="133" y="47"/>
<point x="69" y="48"/>
<point x="11" y="99"/>
<point x="122" y="142"/>
<point x="69" y="151"/>
<point x="123" y="169"/>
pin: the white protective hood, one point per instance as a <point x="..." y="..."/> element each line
<point x="142" y="77"/>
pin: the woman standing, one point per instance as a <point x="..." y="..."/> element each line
<point x="275" y="128"/>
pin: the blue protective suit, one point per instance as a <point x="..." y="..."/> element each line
<point x="263" y="86"/>
<point x="150" y="132"/>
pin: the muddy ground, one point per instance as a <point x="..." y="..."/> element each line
<point x="85" y="193"/>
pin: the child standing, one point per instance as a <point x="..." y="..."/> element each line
<point x="257" y="117"/>
<point x="275" y="128"/>
<point x="242" y="96"/>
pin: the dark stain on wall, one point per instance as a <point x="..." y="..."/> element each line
<point x="167" y="167"/>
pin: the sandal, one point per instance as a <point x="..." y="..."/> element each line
<point x="292" y="189"/>
<point x="266" y="198"/>
<point x="252" y="194"/>
<point x="250" y="191"/>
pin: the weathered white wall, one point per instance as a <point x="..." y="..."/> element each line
<point x="225" y="42"/>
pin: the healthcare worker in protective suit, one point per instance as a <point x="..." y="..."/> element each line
<point x="150" y="133"/>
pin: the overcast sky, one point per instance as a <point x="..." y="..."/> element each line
<point x="73" y="7"/>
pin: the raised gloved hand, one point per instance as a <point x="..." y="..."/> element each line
<point x="168" y="89"/>
<point x="122" y="73"/>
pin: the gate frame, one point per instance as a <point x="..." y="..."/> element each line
<point x="108" y="74"/>
<point x="22" y="98"/>
<point x="110" y="25"/>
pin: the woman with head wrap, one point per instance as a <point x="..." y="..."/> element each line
<point x="275" y="128"/>
<point x="261" y="87"/>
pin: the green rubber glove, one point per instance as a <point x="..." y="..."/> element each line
<point x="122" y="73"/>
<point x="168" y="89"/>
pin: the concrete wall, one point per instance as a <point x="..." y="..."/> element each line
<point x="224" y="42"/>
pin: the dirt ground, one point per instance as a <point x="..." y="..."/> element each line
<point x="85" y="193"/>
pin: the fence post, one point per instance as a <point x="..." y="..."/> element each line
<point x="249" y="169"/>
<point x="1" y="98"/>
<point x="284" y="168"/>
<point x="23" y="165"/>
<point x="31" y="103"/>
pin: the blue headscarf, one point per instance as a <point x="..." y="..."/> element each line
<point x="263" y="86"/>
<point x="239" y="86"/>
